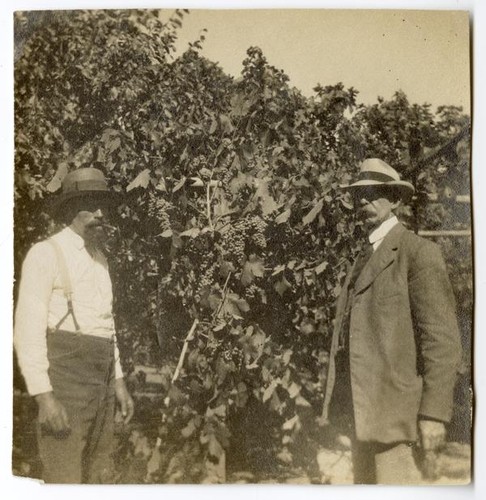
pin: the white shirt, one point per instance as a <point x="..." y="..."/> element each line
<point x="377" y="235"/>
<point x="42" y="303"/>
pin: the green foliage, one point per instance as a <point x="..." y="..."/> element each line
<point x="233" y="222"/>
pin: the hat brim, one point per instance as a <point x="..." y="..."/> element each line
<point x="56" y="204"/>
<point x="405" y="189"/>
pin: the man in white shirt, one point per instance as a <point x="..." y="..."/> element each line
<point x="65" y="337"/>
<point x="395" y="348"/>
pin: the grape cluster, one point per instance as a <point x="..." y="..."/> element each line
<point x="234" y="354"/>
<point x="201" y="247"/>
<point x="258" y="227"/>
<point x="226" y="174"/>
<point x="206" y="278"/>
<point x="245" y="235"/>
<point x="198" y="162"/>
<point x="234" y="244"/>
<point x="227" y="355"/>
<point x="251" y="291"/>
<point x="196" y="268"/>
<point x="159" y="208"/>
<point x="226" y="179"/>
<point x="213" y="346"/>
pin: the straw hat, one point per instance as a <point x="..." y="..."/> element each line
<point x="87" y="183"/>
<point x="375" y="172"/>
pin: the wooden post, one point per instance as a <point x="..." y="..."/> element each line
<point x="446" y="233"/>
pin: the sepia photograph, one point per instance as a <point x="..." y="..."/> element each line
<point x="243" y="247"/>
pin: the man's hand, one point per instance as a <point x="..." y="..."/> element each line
<point x="53" y="418"/>
<point x="124" y="399"/>
<point x="432" y="434"/>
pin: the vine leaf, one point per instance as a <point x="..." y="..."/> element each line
<point x="254" y="267"/>
<point x="294" y="390"/>
<point x="241" y="394"/>
<point x="226" y="124"/>
<point x="300" y="401"/>
<point x="191" y="233"/>
<point x="321" y="267"/>
<point x="289" y="424"/>
<point x="142" y="180"/>
<point x="214" y="447"/>
<point x="241" y="104"/>
<point x="283" y="217"/>
<point x="154" y="463"/>
<point x="55" y="183"/>
<point x="189" y="429"/>
<point x="307" y="219"/>
<point x="235" y="305"/>
<point x="179" y="185"/>
<point x="214" y="126"/>
<point x="220" y="325"/>
<point x="282" y="286"/>
<point x="267" y="393"/>
<point x="161" y="185"/>
<point x="267" y="202"/>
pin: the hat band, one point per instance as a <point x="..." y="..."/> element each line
<point x="375" y="176"/>
<point x="86" y="185"/>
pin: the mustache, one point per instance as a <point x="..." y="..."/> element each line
<point x="95" y="223"/>
<point x="101" y="231"/>
<point x="366" y="209"/>
<point x="102" y="224"/>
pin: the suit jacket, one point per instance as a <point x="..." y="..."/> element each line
<point x="404" y="343"/>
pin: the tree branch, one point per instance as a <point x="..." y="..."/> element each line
<point x="223" y="298"/>
<point x="189" y="337"/>
<point x="208" y="205"/>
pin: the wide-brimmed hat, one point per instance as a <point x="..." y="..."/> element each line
<point x="375" y="172"/>
<point x="83" y="183"/>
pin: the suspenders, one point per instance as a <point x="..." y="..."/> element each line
<point x="66" y="285"/>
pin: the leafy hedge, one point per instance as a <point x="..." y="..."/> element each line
<point x="234" y="238"/>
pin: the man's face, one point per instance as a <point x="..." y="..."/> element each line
<point x="89" y="221"/>
<point x="374" y="204"/>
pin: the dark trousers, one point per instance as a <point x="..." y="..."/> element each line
<point x="379" y="463"/>
<point x="81" y="371"/>
<point x="373" y="462"/>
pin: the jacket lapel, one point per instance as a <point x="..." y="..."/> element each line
<point x="381" y="258"/>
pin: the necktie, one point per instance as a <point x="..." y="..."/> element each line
<point x="361" y="261"/>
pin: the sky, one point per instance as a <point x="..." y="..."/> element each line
<point x="423" y="53"/>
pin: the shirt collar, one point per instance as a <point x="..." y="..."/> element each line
<point x="74" y="238"/>
<point x="381" y="231"/>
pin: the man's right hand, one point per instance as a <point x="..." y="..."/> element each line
<point x="53" y="418"/>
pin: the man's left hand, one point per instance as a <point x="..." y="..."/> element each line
<point x="124" y="399"/>
<point x="432" y="434"/>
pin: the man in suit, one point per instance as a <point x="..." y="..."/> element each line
<point x="395" y="348"/>
<point x="65" y="336"/>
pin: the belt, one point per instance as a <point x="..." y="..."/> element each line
<point x="110" y="339"/>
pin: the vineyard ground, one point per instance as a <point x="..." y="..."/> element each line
<point x="333" y="465"/>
